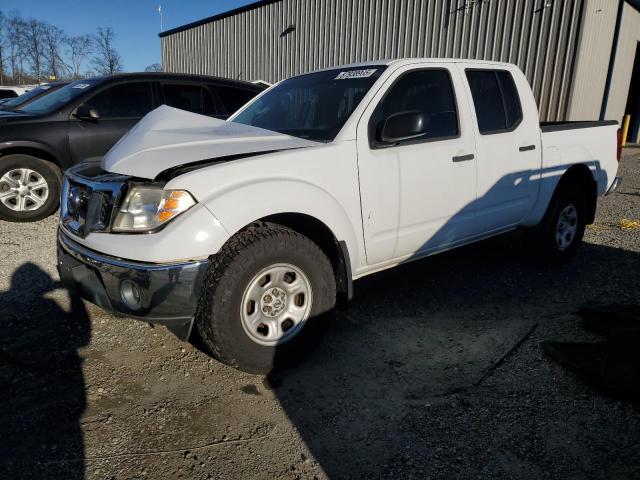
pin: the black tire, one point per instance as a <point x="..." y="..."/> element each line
<point x="218" y="318"/>
<point x="51" y="174"/>
<point x="542" y="240"/>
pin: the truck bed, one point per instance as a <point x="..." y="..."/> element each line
<point x="557" y="126"/>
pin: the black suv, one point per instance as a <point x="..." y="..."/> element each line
<point x="84" y="119"/>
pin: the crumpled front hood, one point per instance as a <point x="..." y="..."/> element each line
<point x="168" y="137"/>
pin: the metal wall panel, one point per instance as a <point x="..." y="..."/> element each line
<point x="628" y="43"/>
<point x="592" y="62"/>
<point x="540" y="36"/>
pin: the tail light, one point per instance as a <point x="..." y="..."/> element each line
<point x="619" y="147"/>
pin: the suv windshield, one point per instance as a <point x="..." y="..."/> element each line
<point x="14" y="102"/>
<point x="54" y="100"/>
<point x="313" y="106"/>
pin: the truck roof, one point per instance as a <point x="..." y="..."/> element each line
<point x="409" y="61"/>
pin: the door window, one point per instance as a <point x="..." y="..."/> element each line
<point x="233" y="98"/>
<point x="192" y="98"/>
<point x="496" y="101"/>
<point x="126" y="100"/>
<point x="429" y="92"/>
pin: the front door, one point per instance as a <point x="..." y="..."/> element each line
<point x="417" y="195"/>
<point x="119" y="107"/>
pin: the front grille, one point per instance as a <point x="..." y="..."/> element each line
<point x="89" y="199"/>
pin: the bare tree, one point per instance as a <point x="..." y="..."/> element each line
<point x="34" y="46"/>
<point x="79" y="48"/>
<point x="3" y="49"/>
<point x="54" y="37"/>
<point x="15" y="39"/>
<point x="106" y="60"/>
<point x="154" y="67"/>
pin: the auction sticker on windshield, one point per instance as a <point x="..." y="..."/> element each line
<point x="356" y="74"/>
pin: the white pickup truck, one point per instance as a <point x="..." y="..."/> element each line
<point x="251" y="229"/>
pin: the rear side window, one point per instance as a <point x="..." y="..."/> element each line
<point x="127" y="100"/>
<point x="426" y="91"/>
<point x="233" y="98"/>
<point x="193" y="98"/>
<point x="8" y="94"/>
<point x="496" y="100"/>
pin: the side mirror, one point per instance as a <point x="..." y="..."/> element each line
<point x="83" y="112"/>
<point x="403" y="126"/>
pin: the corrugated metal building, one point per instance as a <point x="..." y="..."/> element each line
<point x="577" y="54"/>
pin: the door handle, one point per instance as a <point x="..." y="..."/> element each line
<point x="527" y="148"/>
<point x="463" y="158"/>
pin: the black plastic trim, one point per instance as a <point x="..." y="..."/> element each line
<point x="345" y="278"/>
<point x="558" y="126"/>
<point x="463" y="158"/>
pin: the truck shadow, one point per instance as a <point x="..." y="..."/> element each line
<point x="42" y="389"/>
<point x="390" y="393"/>
<point x="392" y="390"/>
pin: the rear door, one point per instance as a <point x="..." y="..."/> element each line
<point x="417" y="195"/>
<point x="119" y="107"/>
<point x="507" y="144"/>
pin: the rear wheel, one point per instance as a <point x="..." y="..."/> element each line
<point x="560" y="232"/>
<point x="264" y="298"/>
<point x="29" y="188"/>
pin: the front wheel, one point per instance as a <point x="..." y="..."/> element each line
<point x="560" y="232"/>
<point x="264" y="298"/>
<point x="29" y="188"/>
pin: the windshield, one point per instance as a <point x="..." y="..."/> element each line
<point x="313" y="106"/>
<point x="25" y="97"/>
<point x="54" y="100"/>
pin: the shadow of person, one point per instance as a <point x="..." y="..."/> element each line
<point x="42" y="389"/>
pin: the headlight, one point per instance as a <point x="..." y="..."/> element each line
<point x="146" y="208"/>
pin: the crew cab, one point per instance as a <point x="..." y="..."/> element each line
<point x="85" y="119"/>
<point x="248" y="231"/>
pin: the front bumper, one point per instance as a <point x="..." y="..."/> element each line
<point x="168" y="294"/>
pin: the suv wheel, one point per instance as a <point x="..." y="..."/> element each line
<point x="264" y="298"/>
<point x="29" y="188"/>
<point x="560" y="232"/>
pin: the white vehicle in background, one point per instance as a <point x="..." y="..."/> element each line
<point x="251" y="229"/>
<point x="7" y="93"/>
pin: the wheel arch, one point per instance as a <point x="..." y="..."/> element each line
<point x="32" y="149"/>
<point x="318" y="232"/>
<point x="581" y="176"/>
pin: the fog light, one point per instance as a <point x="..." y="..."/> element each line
<point x="130" y="295"/>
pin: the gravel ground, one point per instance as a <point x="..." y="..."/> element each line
<point x="388" y="394"/>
